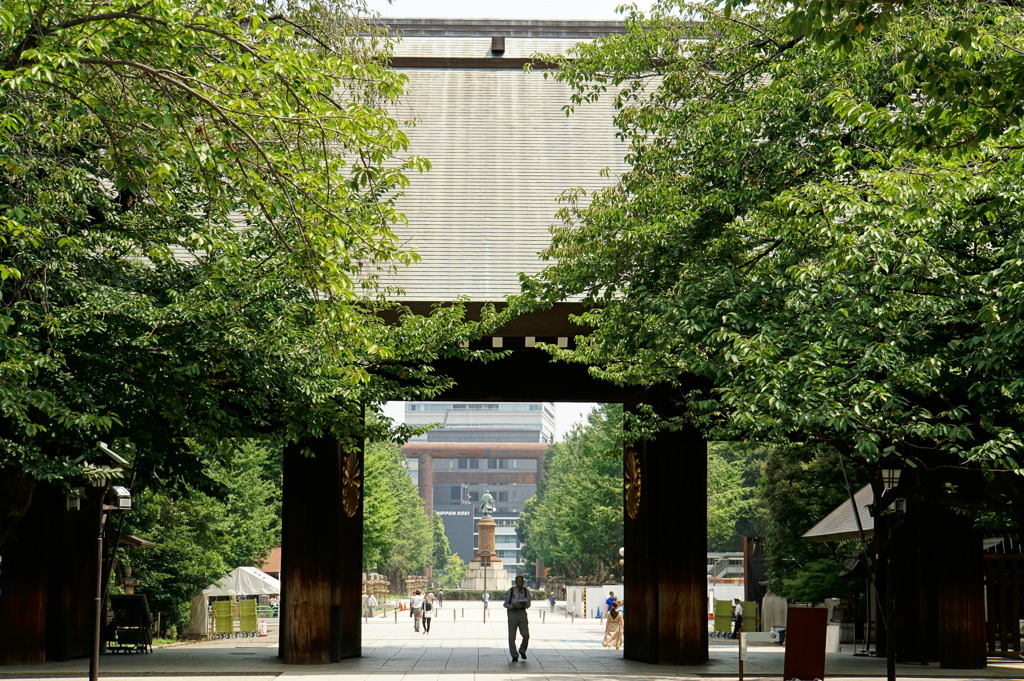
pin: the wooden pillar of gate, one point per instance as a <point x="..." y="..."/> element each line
<point x="961" y="604"/>
<point x="665" y="527"/>
<point x="321" y="553"/>
<point x="24" y="586"/>
<point x="939" y="595"/>
<point x="48" y="580"/>
<point x="71" y="604"/>
<point x="940" y="599"/>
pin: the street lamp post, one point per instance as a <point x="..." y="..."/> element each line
<point x="890" y="481"/>
<point x="122" y="503"/>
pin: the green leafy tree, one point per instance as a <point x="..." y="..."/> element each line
<point x="729" y="498"/>
<point x="452" y="574"/>
<point x="799" y="487"/>
<point x="574" y="523"/>
<point x="196" y="203"/>
<point x="827" y="239"/>
<point x="442" y="548"/>
<point x="199" y="537"/>
<point x="398" y="533"/>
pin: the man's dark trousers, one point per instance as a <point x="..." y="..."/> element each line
<point x="517" y="620"/>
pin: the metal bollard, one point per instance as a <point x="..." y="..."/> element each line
<point x="396" y="615"/>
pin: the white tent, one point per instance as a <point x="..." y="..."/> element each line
<point x="244" y="581"/>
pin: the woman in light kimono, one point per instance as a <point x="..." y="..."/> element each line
<point x="613" y="627"/>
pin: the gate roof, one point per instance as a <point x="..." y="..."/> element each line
<point x="501" y="147"/>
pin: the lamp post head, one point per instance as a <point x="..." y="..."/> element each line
<point x="891" y="476"/>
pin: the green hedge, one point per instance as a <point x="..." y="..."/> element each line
<point x="477" y="594"/>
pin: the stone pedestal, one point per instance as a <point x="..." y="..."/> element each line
<point x="414" y="582"/>
<point x="378" y="585"/>
<point x="485" y="571"/>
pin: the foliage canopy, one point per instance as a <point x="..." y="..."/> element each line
<point x="574" y="522"/>
<point x="399" y="536"/>
<point x="826" y="235"/>
<point x="199" y="537"/>
<point x="196" y="200"/>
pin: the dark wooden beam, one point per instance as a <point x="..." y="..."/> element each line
<point x="938" y="579"/>
<point x="525" y="376"/>
<point x="552" y="322"/>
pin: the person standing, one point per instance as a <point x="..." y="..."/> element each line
<point x="428" y="612"/>
<point x="610" y="601"/>
<point x="487" y="599"/>
<point x="737" y="611"/>
<point x="371" y="605"/>
<point x="613" y="627"/>
<point x="416" y="606"/>
<point x="517" y="600"/>
<point x="551" y="600"/>
<point x="440" y="598"/>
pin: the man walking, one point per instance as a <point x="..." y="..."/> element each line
<point x="517" y="600"/>
<point x="416" y="606"/>
<point x="737" y="610"/>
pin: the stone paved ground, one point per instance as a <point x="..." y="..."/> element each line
<point x="461" y="647"/>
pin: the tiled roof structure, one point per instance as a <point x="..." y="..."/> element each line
<point x="501" y="147"/>
<point x="840" y="524"/>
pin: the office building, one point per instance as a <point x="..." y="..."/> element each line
<point x="478" y="447"/>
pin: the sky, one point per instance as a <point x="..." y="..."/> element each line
<point x="567" y="414"/>
<point x="583" y="10"/>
